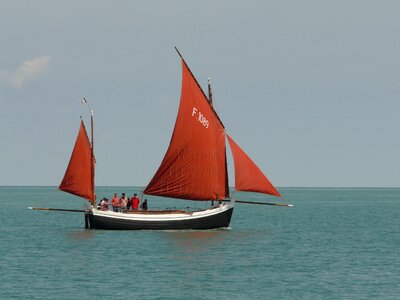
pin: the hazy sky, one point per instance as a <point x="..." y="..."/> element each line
<point x="309" y="89"/>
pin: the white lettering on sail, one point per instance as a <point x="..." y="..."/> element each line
<point x="200" y="117"/>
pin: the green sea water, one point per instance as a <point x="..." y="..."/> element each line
<point x="333" y="244"/>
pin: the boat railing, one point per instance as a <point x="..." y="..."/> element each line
<point x="171" y="209"/>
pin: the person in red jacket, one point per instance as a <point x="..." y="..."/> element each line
<point x="135" y="202"/>
<point x="115" y="202"/>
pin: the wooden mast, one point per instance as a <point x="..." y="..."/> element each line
<point x="210" y="100"/>
<point x="92" y="158"/>
<point x="210" y="96"/>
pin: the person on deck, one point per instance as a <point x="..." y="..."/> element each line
<point x="115" y="202"/>
<point x="124" y="202"/>
<point x="128" y="207"/>
<point x="135" y="202"/>
<point x="144" y="205"/>
<point x="104" y="204"/>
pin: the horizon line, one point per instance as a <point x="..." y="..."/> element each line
<point x="231" y="187"/>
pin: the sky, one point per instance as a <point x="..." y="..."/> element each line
<point x="309" y="89"/>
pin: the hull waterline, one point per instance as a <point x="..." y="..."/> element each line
<point x="208" y="219"/>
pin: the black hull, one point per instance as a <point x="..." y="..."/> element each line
<point x="219" y="220"/>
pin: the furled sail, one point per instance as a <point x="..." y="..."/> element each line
<point x="248" y="177"/>
<point x="79" y="176"/>
<point x="194" y="166"/>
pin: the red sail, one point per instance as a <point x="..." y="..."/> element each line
<point x="78" y="178"/>
<point x="194" y="166"/>
<point x="248" y="177"/>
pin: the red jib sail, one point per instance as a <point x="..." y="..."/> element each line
<point x="79" y="176"/>
<point x="194" y="166"/>
<point x="248" y="177"/>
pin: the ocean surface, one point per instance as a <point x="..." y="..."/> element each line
<point x="333" y="244"/>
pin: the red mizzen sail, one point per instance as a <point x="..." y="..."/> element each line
<point x="194" y="166"/>
<point x="79" y="176"/>
<point x="248" y="177"/>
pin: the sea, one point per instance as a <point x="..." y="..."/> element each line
<point x="334" y="243"/>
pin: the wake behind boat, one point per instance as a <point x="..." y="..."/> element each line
<point x="194" y="168"/>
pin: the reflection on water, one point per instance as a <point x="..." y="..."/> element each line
<point x="83" y="234"/>
<point x="196" y="241"/>
<point x="198" y="254"/>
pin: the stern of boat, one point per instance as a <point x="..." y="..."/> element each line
<point x="89" y="221"/>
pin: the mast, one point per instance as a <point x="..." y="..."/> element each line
<point x="210" y="96"/>
<point x="210" y="100"/>
<point x="92" y="157"/>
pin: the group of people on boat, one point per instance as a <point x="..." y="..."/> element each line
<point x="123" y="204"/>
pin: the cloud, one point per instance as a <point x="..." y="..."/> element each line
<point x="26" y="72"/>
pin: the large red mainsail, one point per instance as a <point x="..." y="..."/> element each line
<point x="79" y="176"/>
<point x="248" y="177"/>
<point x="194" y="166"/>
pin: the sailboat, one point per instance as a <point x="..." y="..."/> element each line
<point x="194" y="168"/>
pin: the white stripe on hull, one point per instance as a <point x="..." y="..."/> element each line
<point x="154" y="217"/>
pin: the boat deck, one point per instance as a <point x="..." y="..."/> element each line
<point x="154" y="212"/>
